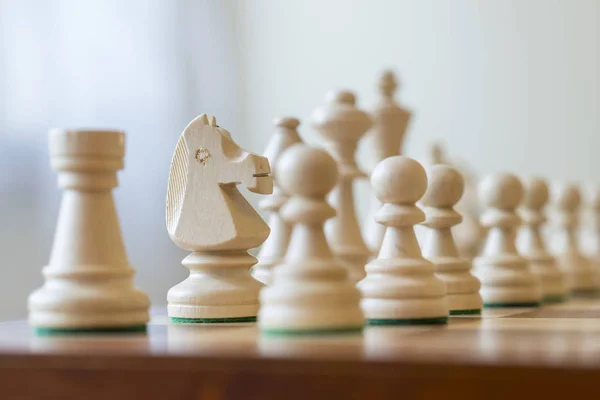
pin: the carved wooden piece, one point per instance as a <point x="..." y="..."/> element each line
<point x="88" y="281"/>
<point x="582" y="277"/>
<point x="531" y="244"/>
<point x="273" y="250"/>
<point x="506" y="279"/>
<point x="401" y="286"/>
<point x="206" y="214"/>
<point x="387" y="135"/>
<point x="444" y="190"/>
<point x="342" y="125"/>
<point x="310" y="291"/>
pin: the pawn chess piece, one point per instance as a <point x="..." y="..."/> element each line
<point x="581" y="276"/>
<point x="506" y="280"/>
<point x="531" y="244"/>
<point x="444" y="190"/>
<point x="88" y="283"/>
<point x="310" y="291"/>
<point x="273" y="250"/>
<point x="387" y="134"/>
<point x="207" y="215"/>
<point x="401" y="286"/>
<point x="342" y="125"/>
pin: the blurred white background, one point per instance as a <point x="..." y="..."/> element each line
<point x="509" y="85"/>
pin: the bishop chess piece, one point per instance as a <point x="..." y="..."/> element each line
<point x="531" y="244"/>
<point x="88" y="283"/>
<point x="310" y="291"/>
<point x="505" y="276"/>
<point x="582" y="277"/>
<point x="273" y="250"/>
<point x="401" y="286"/>
<point x="445" y="188"/>
<point x="207" y="215"/>
<point x="387" y="135"/>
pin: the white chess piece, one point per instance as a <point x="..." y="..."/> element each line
<point x="88" y="282"/>
<point x="506" y="280"/>
<point x="310" y="291"/>
<point x="387" y="135"/>
<point x="342" y="125"/>
<point x="595" y="209"/>
<point x="445" y="188"/>
<point x="580" y="273"/>
<point x="273" y="249"/>
<point x="401" y="286"/>
<point x="206" y="214"/>
<point x="531" y="244"/>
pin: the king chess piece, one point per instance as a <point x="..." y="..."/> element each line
<point x="88" y="283"/>
<point x="207" y="215"/>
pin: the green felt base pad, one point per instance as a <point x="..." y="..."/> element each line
<point x="554" y="299"/>
<point x="310" y="332"/>
<point x="586" y="293"/>
<point x="414" y="321"/>
<point x="510" y="305"/>
<point x="77" y="331"/>
<point x="474" y="311"/>
<point x="179" y="320"/>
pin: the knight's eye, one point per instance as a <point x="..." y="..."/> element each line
<point x="202" y="155"/>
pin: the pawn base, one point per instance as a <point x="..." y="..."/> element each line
<point x="76" y="331"/>
<point x="179" y="320"/>
<point x="554" y="299"/>
<point x="585" y="293"/>
<point x="410" y="321"/>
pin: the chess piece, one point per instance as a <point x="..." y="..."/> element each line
<point x="531" y="244"/>
<point x="273" y="250"/>
<point x="506" y="280"/>
<point x="582" y="279"/>
<point x="207" y="215"/>
<point x="310" y="291"/>
<point x="401" y="286"/>
<point x="88" y="283"/>
<point x="595" y="209"/>
<point x="342" y="125"/>
<point x="469" y="233"/>
<point x="387" y="135"/>
<point x="444" y="190"/>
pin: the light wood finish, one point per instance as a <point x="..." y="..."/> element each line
<point x="311" y="290"/>
<point x="444" y="189"/>
<point x="531" y="244"/>
<point x="273" y="249"/>
<point x="581" y="275"/>
<point x="519" y="353"/>
<point x="390" y="122"/>
<point x="505" y="276"/>
<point x="88" y="281"/>
<point x="342" y="124"/>
<point x="401" y="285"/>
<point x="206" y="214"/>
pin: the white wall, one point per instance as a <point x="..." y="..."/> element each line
<point x="509" y="84"/>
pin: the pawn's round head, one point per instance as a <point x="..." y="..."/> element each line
<point x="445" y="186"/>
<point x="536" y="193"/>
<point x="306" y="171"/>
<point x="568" y="197"/>
<point x="501" y="190"/>
<point x="399" y="180"/>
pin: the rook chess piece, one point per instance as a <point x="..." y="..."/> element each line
<point x="582" y="279"/>
<point x="401" y="286"/>
<point x="310" y="291"/>
<point x="88" y="282"/>
<point x="387" y="134"/>
<point x="531" y="244"/>
<point x="273" y="250"/>
<point x="207" y="215"/>
<point x="342" y="125"/>
<point x="505" y="276"/>
<point x="444" y="190"/>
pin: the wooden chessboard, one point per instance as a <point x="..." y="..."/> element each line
<point x="554" y="350"/>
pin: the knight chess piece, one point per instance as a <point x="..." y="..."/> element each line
<point x="207" y="215"/>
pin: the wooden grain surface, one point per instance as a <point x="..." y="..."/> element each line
<point x="551" y="351"/>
